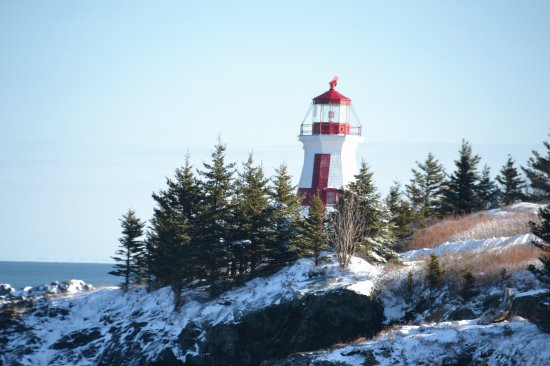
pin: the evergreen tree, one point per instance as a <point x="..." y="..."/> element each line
<point x="313" y="236"/>
<point x="217" y="187"/>
<point x="538" y="173"/>
<point x="408" y="287"/>
<point x="129" y="257"/>
<point x="511" y="182"/>
<point x="173" y="251"/>
<point x="426" y="188"/>
<point x="285" y="216"/>
<point x="251" y="217"/>
<point x="542" y="231"/>
<point x="435" y="274"/>
<point x="488" y="193"/>
<point x="469" y="289"/>
<point x="460" y="192"/>
<point x="378" y="238"/>
<point x="401" y="214"/>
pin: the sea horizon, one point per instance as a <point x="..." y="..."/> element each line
<point x="19" y="274"/>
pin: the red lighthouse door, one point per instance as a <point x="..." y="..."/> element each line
<point x="321" y="166"/>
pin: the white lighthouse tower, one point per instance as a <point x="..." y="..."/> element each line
<point x="330" y="140"/>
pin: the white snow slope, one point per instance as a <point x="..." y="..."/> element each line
<point x="516" y="342"/>
<point x="97" y="310"/>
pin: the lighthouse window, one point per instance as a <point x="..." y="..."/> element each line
<point x="331" y="198"/>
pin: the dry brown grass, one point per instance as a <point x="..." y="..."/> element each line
<point x="490" y="266"/>
<point x="475" y="226"/>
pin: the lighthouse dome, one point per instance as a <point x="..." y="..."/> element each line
<point x="332" y="96"/>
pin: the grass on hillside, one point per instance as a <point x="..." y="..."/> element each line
<point x="475" y="226"/>
<point x="488" y="267"/>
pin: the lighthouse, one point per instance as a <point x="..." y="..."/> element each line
<point x="330" y="133"/>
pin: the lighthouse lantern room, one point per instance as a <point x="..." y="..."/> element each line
<point x="330" y="138"/>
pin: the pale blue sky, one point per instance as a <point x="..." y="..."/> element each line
<point x="99" y="101"/>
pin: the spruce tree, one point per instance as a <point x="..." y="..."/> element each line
<point x="542" y="232"/>
<point x="217" y="187"/>
<point x="511" y="182"/>
<point x="408" y="287"/>
<point x="435" y="274"/>
<point x="401" y="214"/>
<point x="460" y="192"/>
<point x="129" y="258"/>
<point x="173" y="250"/>
<point x="313" y="237"/>
<point x="251" y="218"/>
<point x="469" y="289"/>
<point x="378" y="238"/>
<point x="538" y="174"/>
<point x="488" y="194"/>
<point x="285" y="207"/>
<point x="426" y="188"/>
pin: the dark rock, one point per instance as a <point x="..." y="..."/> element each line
<point x="5" y="289"/>
<point x="462" y="313"/>
<point x="535" y="308"/>
<point x="294" y="360"/>
<point x="491" y="302"/>
<point x="306" y="324"/>
<point x="166" y="358"/>
<point x="77" y="339"/>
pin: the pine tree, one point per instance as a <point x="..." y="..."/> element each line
<point x="251" y="219"/>
<point x="511" y="182"/>
<point x="426" y="188"/>
<point x="129" y="257"/>
<point x="538" y="174"/>
<point x="217" y="187"/>
<point x="378" y="238"/>
<point x="488" y="194"/>
<point x="173" y="251"/>
<point x="469" y="289"/>
<point x="542" y="231"/>
<point x="408" y="287"/>
<point x="435" y="274"/>
<point x="460" y="192"/>
<point x="285" y="215"/>
<point x="401" y="214"/>
<point x="313" y="236"/>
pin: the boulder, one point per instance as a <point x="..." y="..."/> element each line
<point x="462" y="313"/>
<point x="5" y="289"/>
<point x="300" y="325"/>
<point x="535" y="308"/>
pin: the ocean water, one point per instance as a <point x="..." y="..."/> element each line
<point x="21" y="274"/>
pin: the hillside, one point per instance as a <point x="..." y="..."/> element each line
<point x="364" y="315"/>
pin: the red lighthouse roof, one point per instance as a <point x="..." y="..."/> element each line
<point x="332" y="96"/>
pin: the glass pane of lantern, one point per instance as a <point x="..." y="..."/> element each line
<point x="330" y="113"/>
<point x="344" y="112"/>
<point x="317" y="113"/>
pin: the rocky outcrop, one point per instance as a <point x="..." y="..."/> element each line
<point x="535" y="308"/>
<point x="303" y="324"/>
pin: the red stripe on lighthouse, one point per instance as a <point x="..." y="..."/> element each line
<point x="321" y="166"/>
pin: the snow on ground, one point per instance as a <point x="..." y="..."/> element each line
<point x="516" y="342"/>
<point x="299" y="279"/>
<point x="107" y="307"/>
<point x="471" y="246"/>
<point x="524" y="207"/>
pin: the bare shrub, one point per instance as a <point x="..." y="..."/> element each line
<point x="475" y="226"/>
<point x="347" y="225"/>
